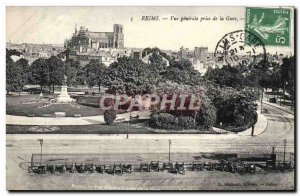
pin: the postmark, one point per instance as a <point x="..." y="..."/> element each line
<point x="240" y="48"/>
<point x="271" y="25"/>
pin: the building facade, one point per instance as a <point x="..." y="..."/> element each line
<point x="84" y="40"/>
<point x="103" y="46"/>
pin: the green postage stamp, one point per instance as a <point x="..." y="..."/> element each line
<point x="271" y="25"/>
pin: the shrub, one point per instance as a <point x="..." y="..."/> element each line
<point x="170" y="122"/>
<point x="164" y="121"/>
<point x="110" y="116"/>
<point x="186" y="122"/>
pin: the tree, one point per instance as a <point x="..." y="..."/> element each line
<point x="95" y="73"/>
<point x="39" y="72"/>
<point x="158" y="65"/>
<point x="183" y="72"/>
<point x="110" y="116"/>
<point x="156" y="51"/>
<point x="130" y="76"/>
<point x="234" y="107"/>
<point x="16" y="73"/>
<point x="56" y="71"/>
<point x="22" y="75"/>
<point x="287" y="73"/>
<point x="205" y="116"/>
<point x="226" y="76"/>
<point x="72" y="68"/>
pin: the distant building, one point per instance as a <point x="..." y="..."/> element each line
<point x="200" y="53"/>
<point x="104" y="56"/>
<point x="103" y="46"/>
<point x="182" y="53"/>
<point x="84" y="40"/>
<point x="200" y="58"/>
<point x="32" y="52"/>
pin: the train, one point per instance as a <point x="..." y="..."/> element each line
<point x="234" y="163"/>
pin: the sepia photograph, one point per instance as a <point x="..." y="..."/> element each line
<point x="150" y="98"/>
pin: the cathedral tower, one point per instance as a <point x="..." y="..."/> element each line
<point x="118" y="38"/>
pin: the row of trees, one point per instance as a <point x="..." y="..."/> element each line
<point x="262" y="75"/>
<point x="50" y="72"/>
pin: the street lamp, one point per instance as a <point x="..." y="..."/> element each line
<point x="41" y="143"/>
<point x="170" y="142"/>
<point x="284" y="147"/>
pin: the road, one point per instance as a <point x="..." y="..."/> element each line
<point x="280" y="126"/>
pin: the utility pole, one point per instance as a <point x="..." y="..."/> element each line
<point x="170" y="142"/>
<point x="284" y="92"/>
<point x="41" y="143"/>
<point x="284" y="147"/>
<point x="261" y="101"/>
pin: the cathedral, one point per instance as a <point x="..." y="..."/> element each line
<point x="84" y="40"/>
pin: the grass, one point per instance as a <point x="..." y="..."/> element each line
<point x="40" y="106"/>
<point x="38" y="110"/>
<point x="116" y="128"/>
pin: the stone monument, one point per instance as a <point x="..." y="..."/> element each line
<point x="64" y="97"/>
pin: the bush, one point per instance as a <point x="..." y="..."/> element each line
<point x="169" y="122"/>
<point x="186" y="122"/>
<point x="163" y="121"/>
<point x="110" y="116"/>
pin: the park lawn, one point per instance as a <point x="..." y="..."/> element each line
<point x="37" y="110"/>
<point x="34" y="105"/>
<point x="116" y="128"/>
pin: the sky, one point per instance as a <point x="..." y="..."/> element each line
<point x="52" y="25"/>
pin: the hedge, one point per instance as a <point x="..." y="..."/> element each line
<point x="168" y="121"/>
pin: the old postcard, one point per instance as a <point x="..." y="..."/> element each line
<point x="150" y="98"/>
